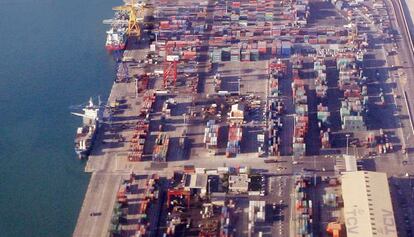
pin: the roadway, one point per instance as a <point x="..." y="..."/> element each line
<point x="406" y="62"/>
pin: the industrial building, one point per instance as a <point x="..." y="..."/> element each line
<point x="368" y="209"/>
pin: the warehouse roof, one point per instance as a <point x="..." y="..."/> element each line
<point x="350" y="163"/>
<point x="367" y="205"/>
<point x="197" y="181"/>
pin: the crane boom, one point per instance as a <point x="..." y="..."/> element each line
<point x="83" y="115"/>
<point x="136" y="12"/>
<point x="115" y="22"/>
<point x="133" y="27"/>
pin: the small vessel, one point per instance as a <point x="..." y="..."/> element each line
<point x="86" y="134"/>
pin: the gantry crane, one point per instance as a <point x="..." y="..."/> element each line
<point x="136" y="16"/>
<point x="133" y="24"/>
<point x="171" y="61"/>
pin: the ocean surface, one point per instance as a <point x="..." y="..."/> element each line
<point x="52" y="56"/>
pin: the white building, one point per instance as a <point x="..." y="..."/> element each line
<point x="367" y="205"/>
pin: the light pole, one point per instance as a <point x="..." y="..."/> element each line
<point x="347" y="146"/>
<point x="239" y="86"/>
<point x="209" y="191"/>
<point x="314" y="171"/>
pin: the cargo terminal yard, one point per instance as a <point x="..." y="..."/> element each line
<point x="254" y="118"/>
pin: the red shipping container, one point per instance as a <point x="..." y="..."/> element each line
<point x="236" y="4"/>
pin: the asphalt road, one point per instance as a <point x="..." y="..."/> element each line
<point x="406" y="60"/>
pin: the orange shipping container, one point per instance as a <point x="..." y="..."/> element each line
<point x="189" y="55"/>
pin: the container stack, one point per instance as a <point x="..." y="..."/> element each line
<point x="351" y="83"/>
<point x="149" y="99"/>
<point x="276" y="108"/>
<point x="261" y="143"/>
<point x="303" y="207"/>
<point x="274" y="136"/>
<point x="217" y="82"/>
<point x="383" y="143"/>
<point x="254" y="54"/>
<point x="211" y="133"/>
<point x="235" y="54"/>
<point x="259" y="24"/>
<point x="226" y="221"/>
<point x="262" y="47"/>
<point x="325" y="140"/>
<point x="286" y="49"/>
<point x="330" y="199"/>
<point x="257" y="214"/>
<point x="320" y="82"/>
<point x="142" y="201"/>
<point x="226" y="54"/>
<point x="142" y="83"/>
<point x="215" y="55"/>
<point x="274" y="87"/>
<point x="160" y="150"/>
<point x="301" y="9"/>
<point x="300" y="100"/>
<point x="323" y="113"/>
<point x="234" y="140"/>
<point x="139" y="137"/>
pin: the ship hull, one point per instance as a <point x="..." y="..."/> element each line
<point x="82" y="154"/>
<point x="85" y="152"/>
<point x="111" y="48"/>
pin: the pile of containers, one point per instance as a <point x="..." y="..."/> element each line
<point x="211" y="133"/>
<point x="330" y="199"/>
<point x="139" y="137"/>
<point x="353" y="108"/>
<point x="160" y="150"/>
<point x="275" y="126"/>
<point x="277" y="71"/>
<point x="300" y="100"/>
<point x="303" y="208"/>
<point x="260" y="28"/>
<point x="226" y="221"/>
<point x="121" y="213"/>
<point x="320" y="82"/>
<point x="257" y="214"/>
<point x="148" y="101"/>
<point x="383" y="143"/>
<point x="323" y="113"/>
<point x="323" y="123"/>
<point x="234" y="140"/>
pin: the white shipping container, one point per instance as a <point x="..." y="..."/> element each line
<point x="211" y="172"/>
<point x="152" y="47"/>
<point x="223" y="169"/>
<point x="172" y="58"/>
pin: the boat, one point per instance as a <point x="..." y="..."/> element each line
<point x="116" y="39"/>
<point x="86" y="134"/>
<point x="116" y="36"/>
